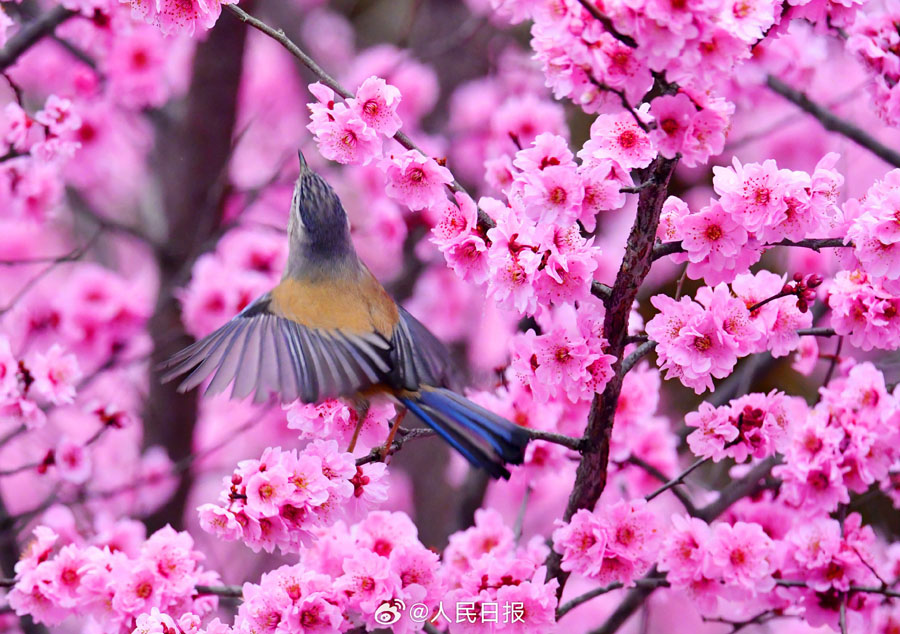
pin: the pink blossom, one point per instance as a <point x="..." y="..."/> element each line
<point x="620" y="138"/>
<point x="752" y="193"/>
<point x="415" y="180"/>
<point x="9" y="371"/>
<point x="742" y="555"/>
<point x="553" y="195"/>
<point x="582" y="543"/>
<point x="711" y="236"/>
<point x="376" y="104"/>
<point x="267" y="491"/>
<point x="55" y="375"/>
<point x="72" y="461"/>
<point x="684" y="553"/>
<point x="602" y="186"/>
<point x="674" y="115"/>
<point x="345" y="138"/>
<point x="58" y="116"/>
<point x="178" y="16"/>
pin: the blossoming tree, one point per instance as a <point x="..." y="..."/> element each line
<point x="661" y="235"/>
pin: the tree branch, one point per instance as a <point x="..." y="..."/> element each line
<point x="832" y="122"/>
<point x="646" y="582"/>
<point x="677" y="480"/>
<point x="192" y="157"/>
<point x="663" y="249"/>
<point x="627" y="40"/>
<point x="32" y="33"/>
<point x="485" y="221"/>
<point x="592" y="470"/>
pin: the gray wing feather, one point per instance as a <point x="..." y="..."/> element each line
<point x="261" y="353"/>
<point x="268" y="381"/>
<point x="418" y="357"/>
<point x="228" y="365"/>
<point x="289" y="379"/>
<point x="207" y="356"/>
<point x="248" y="367"/>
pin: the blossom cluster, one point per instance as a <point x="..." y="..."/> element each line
<point x="35" y="146"/>
<point x="333" y="419"/>
<point x="754" y="425"/>
<point x="566" y="360"/>
<point x="701" y="339"/>
<point x="112" y="579"/>
<point x="874" y="230"/>
<point x="874" y="38"/>
<point x="172" y="16"/>
<point x="720" y="563"/>
<point x="618" y="543"/>
<point x="847" y="443"/>
<point x="483" y="566"/>
<point x="758" y="205"/>
<point x="864" y="311"/>
<point x="280" y="499"/>
<point x="536" y="255"/>
<point x="344" y="577"/>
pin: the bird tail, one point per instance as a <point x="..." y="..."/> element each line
<point x="467" y="427"/>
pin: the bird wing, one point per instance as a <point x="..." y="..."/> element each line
<point x="418" y="357"/>
<point x="263" y="352"/>
<point x="314" y="340"/>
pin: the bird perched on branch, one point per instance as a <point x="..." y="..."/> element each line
<point x="329" y="329"/>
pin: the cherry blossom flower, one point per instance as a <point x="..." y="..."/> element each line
<point x="416" y="180"/>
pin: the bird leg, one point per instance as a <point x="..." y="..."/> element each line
<point x="386" y="450"/>
<point x="362" y="410"/>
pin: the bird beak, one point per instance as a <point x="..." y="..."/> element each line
<point x="303" y="165"/>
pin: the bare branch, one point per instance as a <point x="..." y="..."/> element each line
<point x="646" y="582"/>
<point x="600" y="291"/>
<point x="679" y="479"/>
<point x="831" y="121"/>
<point x="485" y="221"/>
<point x="376" y="455"/>
<point x="231" y="592"/>
<point x="32" y="33"/>
<point x="659" y="475"/>
<point x="663" y="249"/>
<point x="641" y="351"/>
<point x="70" y="257"/>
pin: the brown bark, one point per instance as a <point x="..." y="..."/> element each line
<point x="590" y="479"/>
<point x="192" y="158"/>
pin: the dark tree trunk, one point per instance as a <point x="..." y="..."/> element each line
<point x="192" y="164"/>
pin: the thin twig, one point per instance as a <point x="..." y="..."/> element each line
<point x="70" y="257"/>
<point x="641" y="351"/>
<point x="565" y="608"/>
<point x="377" y="454"/>
<point x="560" y="439"/>
<point x="32" y="33"/>
<point x="279" y="36"/>
<point x="520" y="517"/>
<point x="662" y="249"/>
<point x="627" y="40"/>
<point x="600" y="291"/>
<point x="831" y="121"/>
<point x="233" y="592"/>
<point x="679" y="479"/>
<point x="659" y="475"/>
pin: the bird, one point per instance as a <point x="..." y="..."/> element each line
<point x="329" y="329"/>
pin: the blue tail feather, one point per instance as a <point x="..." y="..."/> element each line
<point x="507" y="438"/>
<point x="450" y="415"/>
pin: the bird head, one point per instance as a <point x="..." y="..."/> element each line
<point x="318" y="228"/>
